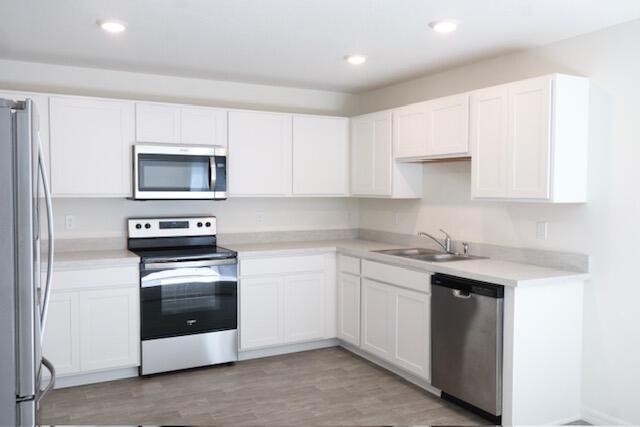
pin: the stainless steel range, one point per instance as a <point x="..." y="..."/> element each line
<point x="188" y="294"/>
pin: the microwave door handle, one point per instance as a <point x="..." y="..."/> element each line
<point x="213" y="172"/>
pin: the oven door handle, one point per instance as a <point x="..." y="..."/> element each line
<point x="189" y="264"/>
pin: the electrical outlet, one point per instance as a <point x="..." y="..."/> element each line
<point x="542" y="230"/>
<point x="260" y="217"/>
<point x="69" y="222"/>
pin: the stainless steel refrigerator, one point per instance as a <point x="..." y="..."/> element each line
<point x="23" y="299"/>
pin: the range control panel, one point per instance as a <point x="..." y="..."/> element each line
<point x="172" y="227"/>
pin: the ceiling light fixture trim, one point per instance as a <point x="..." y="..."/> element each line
<point x="111" y="25"/>
<point x="356" y="59"/>
<point x="444" y="26"/>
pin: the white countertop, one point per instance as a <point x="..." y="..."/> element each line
<point x="89" y="259"/>
<point x="489" y="270"/>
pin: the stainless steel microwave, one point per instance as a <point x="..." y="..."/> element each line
<point x="179" y="172"/>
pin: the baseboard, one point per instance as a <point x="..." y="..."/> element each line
<point x="420" y="382"/>
<point x="95" y="377"/>
<point x="596" y="418"/>
<point x="285" y="349"/>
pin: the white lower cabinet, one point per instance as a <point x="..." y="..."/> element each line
<point x="386" y="311"/>
<point x="412" y="331"/>
<point x="108" y="337"/>
<point x="261" y="312"/>
<point x="62" y="337"/>
<point x="93" y="323"/>
<point x="377" y="319"/>
<point x="349" y="308"/>
<point x="285" y="300"/>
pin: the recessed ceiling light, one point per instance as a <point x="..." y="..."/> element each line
<point x="445" y="26"/>
<point x="111" y="26"/>
<point x="356" y="59"/>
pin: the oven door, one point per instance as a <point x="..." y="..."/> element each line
<point x="170" y="172"/>
<point x="188" y="297"/>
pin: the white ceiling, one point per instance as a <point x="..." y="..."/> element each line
<point x="292" y="42"/>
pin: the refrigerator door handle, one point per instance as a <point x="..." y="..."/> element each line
<point x="47" y="194"/>
<point x="52" y="381"/>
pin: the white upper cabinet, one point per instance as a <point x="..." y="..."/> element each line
<point x="410" y="130"/>
<point x="259" y="153"/>
<point x="157" y="123"/>
<point x="374" y="173"/>
<point x="177" y="124"/>
<point x="371" y="158"/>
<point x="438" y="128"/>
<point x="448" y="126"/>
<point x="320" y="155"/>
<point x="529" y="140"/>
<point x="91" y="143"/>
<point x="489" y="165"/>
<point x="203" y="126"/>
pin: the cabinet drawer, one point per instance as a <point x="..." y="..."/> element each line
<point x="95" y="278"/>
<point x="398" y="276"/>
<point x="281" y="265"/>
<point x="349" y="264"/>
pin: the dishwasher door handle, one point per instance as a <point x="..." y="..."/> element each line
<point x="460" y="294"/>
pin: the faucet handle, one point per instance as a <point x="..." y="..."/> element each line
<point x="465" y="248"/>
<point x="446" y="234"/>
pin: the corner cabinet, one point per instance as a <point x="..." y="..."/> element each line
<point x="91" y="143"/>
<point x="286" y="300"/>
<point x="529" y="140"/>
<point x="374" y="172"/>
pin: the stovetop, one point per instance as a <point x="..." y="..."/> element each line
<point x="183" y="254"/>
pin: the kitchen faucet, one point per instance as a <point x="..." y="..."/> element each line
<point x="447" y="240"/>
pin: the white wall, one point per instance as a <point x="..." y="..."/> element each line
<point x="607" y="227"/>
<point x="106" y="217"/>
<point x="18" y="75"/>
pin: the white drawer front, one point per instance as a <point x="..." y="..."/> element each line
<point x="95" y="278"/>
<point x="281" y="265"/>
<point x="349" y="264"/>
<point x="398" y="276"/>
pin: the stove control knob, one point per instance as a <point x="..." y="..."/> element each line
<point x="147" y="226"/>
<point x="138" y="226"/>
<point x="199" y="224"/>
<point x="208" y="224"/>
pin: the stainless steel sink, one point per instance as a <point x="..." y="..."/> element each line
<point x="411" y="252"/>
<point x="423" y="254"/>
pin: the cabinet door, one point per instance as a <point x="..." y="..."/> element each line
<point x="62" y="334"/>
<point x="261" y="319"/>
<point x="349" y="308"/>
<point x="489" y="143"/>
<point x="203" y="126"/>
<point x="259" y="154"/>
<point x="320" y="147"/>
<point x="530" y="138"/>
<point x="304" y="307"/>
<point x="91" y="146"/>
<point x="371" y="158"/>
<point x="109" y="328"/>
<point x="377" y="319"/>
<point x="448" y="126"/>
<point x="157" y="123"/>
<point x="411" y="331"/>
<point x="410" y="130"/>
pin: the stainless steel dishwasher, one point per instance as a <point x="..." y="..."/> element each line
<point x="466" y="343"/>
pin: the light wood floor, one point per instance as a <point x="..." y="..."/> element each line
<point x="321" y="387"/>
